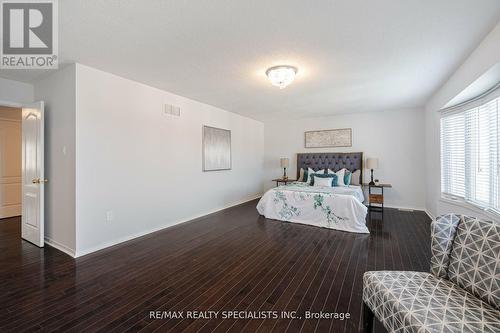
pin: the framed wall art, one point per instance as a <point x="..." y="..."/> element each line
<point x="328" y="138"/>
<point x="216" y="149"/>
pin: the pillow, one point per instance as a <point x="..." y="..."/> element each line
<point x="302" y="173"/>
<point x="311" y="172"/>
<point x="306" y="176"/>
<point x="347" y="177"/>
<point x="355" y="177"/>
<point x="320" y="181"/>
<point x="332" y="178"/>
<point x="340" y="176"/>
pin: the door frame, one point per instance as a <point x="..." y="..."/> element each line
<point x="11" y="104"/>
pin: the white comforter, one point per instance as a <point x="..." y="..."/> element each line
<point x="338" y="208"/>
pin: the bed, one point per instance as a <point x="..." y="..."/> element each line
<point x="339" y="208"/>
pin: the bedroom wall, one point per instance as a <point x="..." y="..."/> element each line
<point x="15" y="91"/>
<point x="484" y="57"/>
<point x="395" y="137"/>
<point x="139" y="170"/>
<point x="58" y="91"/>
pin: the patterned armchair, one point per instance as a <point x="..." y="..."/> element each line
<point x="462" y="292"/>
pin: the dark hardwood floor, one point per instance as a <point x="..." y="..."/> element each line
<point x="231" y="260"/>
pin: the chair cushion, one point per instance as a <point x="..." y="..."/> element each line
<point x="421" y="302"/>
<point x="443" y="231"/>
<point x="475" y="259"/>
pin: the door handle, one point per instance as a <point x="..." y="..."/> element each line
<point x="38" y="180"/>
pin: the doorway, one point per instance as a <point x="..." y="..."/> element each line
<point x="10" y="162"/>
<point x="22" y="182"/>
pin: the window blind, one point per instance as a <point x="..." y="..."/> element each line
<point x="470" y="144"/>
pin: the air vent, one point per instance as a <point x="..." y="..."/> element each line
<point x="171" y="110"/>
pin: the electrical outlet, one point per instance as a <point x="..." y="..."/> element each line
<point x="110" y="216"/>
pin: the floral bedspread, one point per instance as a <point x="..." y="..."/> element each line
<point x="318" y="206"/>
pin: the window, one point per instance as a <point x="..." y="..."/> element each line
<point x="470" y="144"/>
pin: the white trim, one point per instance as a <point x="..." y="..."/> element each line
<point x="430" y="215"/>
<point x="10" y="104"/>
<point x="405" y="207"/>
<point x="470" y="206"/>
<point x="7" y="211"/>
<point x="399" y="207"/>
<point x="484" y="98"/>
<point x="83" y="252"/>
<point x="60" y="247"/>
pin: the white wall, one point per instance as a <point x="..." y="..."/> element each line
<point x="16" y="92"/>
<point x="395" y="137"/>
<point x="484" y="57"/>
<point x="145" y="167"/>
<point x="58" y="92"/>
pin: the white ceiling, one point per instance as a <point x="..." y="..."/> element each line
<point x="352" y="55"/>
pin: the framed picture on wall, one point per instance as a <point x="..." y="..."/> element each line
<point x="216" y="149"/>
<point x="328" y="138"/>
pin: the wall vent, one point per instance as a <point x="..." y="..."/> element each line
<point x="171" y="110"/>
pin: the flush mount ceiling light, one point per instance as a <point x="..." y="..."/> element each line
<point x="281" y="76"/>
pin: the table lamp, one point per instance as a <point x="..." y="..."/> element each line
<point x="372" y="163"/>
<point x="284" y="165"/>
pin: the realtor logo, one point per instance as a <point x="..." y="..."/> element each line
<point x="29" y="34"/>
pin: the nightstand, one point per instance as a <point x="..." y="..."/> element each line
<point x="378" y="197"/>
<point x="283" y="181"/>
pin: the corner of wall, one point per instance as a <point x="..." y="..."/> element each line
<point x="58" y="90"/>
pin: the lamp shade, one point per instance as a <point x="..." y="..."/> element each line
<point x="372" y="163"/>
<point x="284" y="162"/>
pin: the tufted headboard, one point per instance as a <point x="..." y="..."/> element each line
<point x="333" y="161"/>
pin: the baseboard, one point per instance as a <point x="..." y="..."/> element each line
<point x="401" y="207"/>
<point x="430" y="215"/>
<point x="84" y="252"/>
<point x="10" y="211"/>
<point x="60" y="247"/>
<point x="406" y="208"/>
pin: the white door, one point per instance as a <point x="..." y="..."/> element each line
<point x="33" y="179"/>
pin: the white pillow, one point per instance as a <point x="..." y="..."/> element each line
<point x="355" y="177"/>
<point x="340" y="176"/>
<point x="323" y="181"/>
<point x="301" y="175"/>
<point x="310" y="172"/>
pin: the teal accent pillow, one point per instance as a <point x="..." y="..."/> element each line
<point x="347" y="177"/>
<point x="329" y="175"/>
<point x="306" y="174"/>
